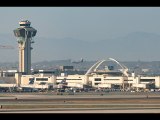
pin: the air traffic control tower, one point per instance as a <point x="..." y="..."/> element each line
<point x="25" y="35"/>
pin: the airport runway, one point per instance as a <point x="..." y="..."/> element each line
<point x="97" y="103"/>
<point x="85" y="111"/>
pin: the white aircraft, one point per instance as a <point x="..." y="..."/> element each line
<point x="78" y="61"/>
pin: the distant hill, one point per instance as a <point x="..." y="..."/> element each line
<point x="134" y="46"/>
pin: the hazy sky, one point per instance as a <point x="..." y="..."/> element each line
<point x="85" y="23"/>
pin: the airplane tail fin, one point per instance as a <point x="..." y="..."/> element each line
<point x="81" y="59"/>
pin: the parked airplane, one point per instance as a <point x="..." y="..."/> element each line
<point x="78" y="61"/>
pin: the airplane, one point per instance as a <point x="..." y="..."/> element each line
<point x="77" y="62"/>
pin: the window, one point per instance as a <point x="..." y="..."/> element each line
<point x="96" y="83"/>
<point x="42" y="83"/>
<point x="147" y="80"/>
<point x="111" y="79"/>
<point x="41" y="79"/>
<point x="24" y="24"/>
<point x="128" y="80"/>
<point x="97" y="79"/>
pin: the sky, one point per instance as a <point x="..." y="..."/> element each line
<point x="85" y="23"/>
<point x="82" y="23"/>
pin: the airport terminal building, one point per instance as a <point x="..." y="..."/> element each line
<point x="105" y="78"/>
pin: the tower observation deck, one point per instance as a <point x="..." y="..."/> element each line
<point x="25" y="35"/>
